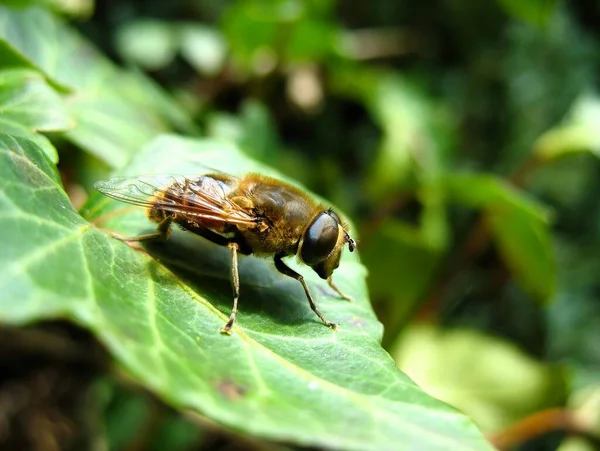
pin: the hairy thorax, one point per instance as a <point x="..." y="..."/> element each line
<point x="286" y="212"/>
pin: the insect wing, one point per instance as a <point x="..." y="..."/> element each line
<point x="143" y="190"/>
<point x="203" y="198"/>
<point x="208" y="199"/>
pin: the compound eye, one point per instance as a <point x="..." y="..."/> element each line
<point x="319" y="239"/>
<point x="332" y="213"/>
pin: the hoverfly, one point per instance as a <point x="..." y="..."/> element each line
<point x="252" y="214"/>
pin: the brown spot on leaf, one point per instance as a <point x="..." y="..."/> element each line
<point x="230" y="390"/>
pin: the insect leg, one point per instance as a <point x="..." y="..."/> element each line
<point x="162" y="232"/>
<point x="285" y="269"/>
<point x="337" y="290"/>
<point x="235" y="284"/>
<point x="216" y="238"/>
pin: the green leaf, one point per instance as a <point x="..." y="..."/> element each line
<point x="28" y="105"/>
<point x="113" y="112"/>
<point x="10" y="58"/>
<point x="579" y="133"/>
<point x="500" y="387"/>
<point x="482" y="191"/>
<point x="153" y="44"/>
<point x="74" y="8"/>
<point x="518" y="225"/>
<point x="204" y="48"/>
<point x="129" y="413"/>
<point x="403" y="113"/>
<point x="77" y="8"/>
<point x="414" y="148"/>
<point x="401" y="265"/>
<point x="150" y="43"/>
<point x="311" y="40"/>
<point x="250" y="32"/>
<point x="535" y="12"/>
<point x="253" y="130"/>
<point x="160" y="315"/>
<point x="417" y="133"/>
<point x="286" y="31"/>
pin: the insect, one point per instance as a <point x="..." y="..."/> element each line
<point x="252" y="214"/>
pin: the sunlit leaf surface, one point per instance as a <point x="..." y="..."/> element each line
<point x="28" y="105"/>
<point x="578" y="133"/>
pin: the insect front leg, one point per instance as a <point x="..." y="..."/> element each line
<point x="338" y="291"/>
<point x="235" y="284"/>
<point x="285" y="269"/>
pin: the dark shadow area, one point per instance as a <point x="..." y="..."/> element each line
<point x="47" y="372"/>
<point x="206" y="268"/>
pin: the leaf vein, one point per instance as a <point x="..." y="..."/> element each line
<point x="19" y="266"/>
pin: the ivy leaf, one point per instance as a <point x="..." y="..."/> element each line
<point x="253" y="130"/>
<point x="518" y="225"/>
<point x="414" y="149"/>
<point x="401" y="267"/>
<point x="534" y="12"/>
<point x="116" y="111"/>
<point x="578" y="133"/>
<point x="159" y="314"/>
<point x="150" y="43"/>
<point x="10" y="58"/>
<point x="499" y="390"/>
<point x="28" y="105"/>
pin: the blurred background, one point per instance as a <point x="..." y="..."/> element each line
<point x="461" y="138"/>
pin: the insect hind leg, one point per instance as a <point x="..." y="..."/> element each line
<point x="163" y="231"/>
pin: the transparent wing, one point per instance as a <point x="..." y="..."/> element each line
<point x="143" y="190"/>
<point x="201" y="198"/>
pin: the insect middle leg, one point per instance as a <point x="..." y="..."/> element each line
<point x="237" y="246"/>
<point x="285" y="269"/>
<point x="235" y="285"/>
<point x="216" y="238"/>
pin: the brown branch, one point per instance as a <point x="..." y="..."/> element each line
<point x="520" y="174"/>
<point x="536" y="425"/>
<point x="472" y="247"/>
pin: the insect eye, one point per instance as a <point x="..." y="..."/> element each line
<point x="319" y="239"/>
<point x="334" y="215"/>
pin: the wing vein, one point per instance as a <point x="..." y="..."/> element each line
<point x="203" y="198"/>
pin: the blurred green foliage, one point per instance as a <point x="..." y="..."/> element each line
<point x="462" y="138"/>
